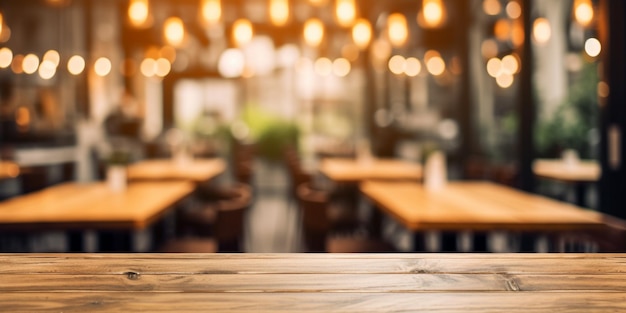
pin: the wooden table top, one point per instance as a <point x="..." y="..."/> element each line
<point x="197" y="170"/>
<point x="93" y="205"/>
<point x="313" y="282"/>
<point x="583" y="171"/>
<point x="352" y="170"/>
<point x="477" y="206"/>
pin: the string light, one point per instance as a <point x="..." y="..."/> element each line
<point x="138" y="12"/>
<point x="583" y="12"/>
<point x="174" y="31"/>
<point x="362" y="33"/>
<point x="279" y="12"/>
<point x="242" y="32"/>
<point x="313" y="32"/>
<point x="397" y="29"/>
<point x="211" y="11"/>
<point x="346" y="12"/>
<point x="432" y="15"/>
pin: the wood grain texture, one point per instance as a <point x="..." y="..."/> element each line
<point x="477" y="206"/>
<point x="197" y="170"/>
<point x="93" y="205"/>
<point x="312" y="282"/>
<point x="584" y="171"/>
<point x="351" y="170"/>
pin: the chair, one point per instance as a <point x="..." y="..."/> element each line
<point x="320" y="225"/>
<point x="216" y="227"/>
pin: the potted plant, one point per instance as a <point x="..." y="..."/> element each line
<point x="116" y="170"/>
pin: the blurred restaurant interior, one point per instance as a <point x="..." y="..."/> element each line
<point x="312" y="125"/>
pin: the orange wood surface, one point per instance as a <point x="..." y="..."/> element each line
<point x="93" y="205"/>
<point x="197" y="170"/>
<point x="312" y="282"/>
<point x="476" y="206"/>
<point x="354" y="170"/>
<point x="583" y="171"/>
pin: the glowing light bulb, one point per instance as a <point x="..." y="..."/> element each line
<point x="313" y="32"/>
<point x="362" y="33"/>
<point x="397" y="64"/>
<point x="341" y="67"/>
<point x="211" y="11"/>
<point x="492" y="7"/>
<point x="583" y="12"/>
<point x="174" y="31"/>
<point x="346" y="12"/>
<point x="542" y="31"/>
<point x="52" y="56"/>
<point x="102" y="67"/>
<point x="6" y="57"/>
<point x="279" y="12"/>
<point x="138" y="12"/>
<point x="413" y="67"/>
<point x="397" y="29"/>
<point x="76" y="65"/>
<point x="432" y="15"/>
<point x="30" y="63"/>
<point x="47" y="69"/>
<point x="242" y="32"/>
<point x="593" y="47"/>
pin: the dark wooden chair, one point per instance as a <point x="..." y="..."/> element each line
<point x="320" y="225"/>
<point x="217" y="226"/>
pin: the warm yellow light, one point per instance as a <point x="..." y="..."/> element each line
<point x="593" y="47"/>
<point x="231" y="63"/>
<point x="30" y="63"/>
<point x="517" y="33"/>
<point x="502" y="29"/>
<point x="102" y="67"/>
<point x="397" y="29"/>
<point x="163" y="67"/>
<point x="318" y="2"/>
<point x="279" y="12"/>
<point x="6" y="57"/>
<point x="5" y="33"/>
<point x="52" y="56"/>
<point x="313" y="32"/>
<point x="76" y="65"/>
<point x="542" y="31"/>
<point x="494" y="67"/>
<point x="323" y="66"/>
<point x="47" y="69"/>
<point x="432" y="14"/>
<point x="341" y="67"/>
<point x="436" y="65"/>
<point x="1" y="22"/>
<point x="362" y="33"/>
<point x="513" y="10"/>
<point x="492" y="7"/>
<point x="510" y="64"/>
<point x="603" y="89"/>
<point x="346" y="12"/>
<point x="397" y="64"/>
<point x="16" y="65"/>
<point x="413" y="67"/>
<point x="211" y="11"/>
<point x="148" y="67"/>
<point x="138" y="12"/>
<point x="174" y="31"/>
<point x="381" y="50"/>
<point x="505" y="80"/>
<point x="242" y="32"/>
<point x="583" y="12"/>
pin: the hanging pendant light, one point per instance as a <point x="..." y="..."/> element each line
<point x="362" y="33"/>
<point x="345" y="11"/>
<point x="583" y="12"/>
<point x="174" y="31"/>
<point x="397" y="29"/>
<point x="211" y="11"/>
<point x="313" y="32"/>
<point x="279" y="12"/>
<point x="242" y="32"/>
<point x="139" y="13"/>
<point x="432" y="15"/>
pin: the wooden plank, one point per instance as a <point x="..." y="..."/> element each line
<point x="212" y="283"/>
<point x="250" y="283"/>
<point x="312" y="302"/>
<point x="171" y="264"/>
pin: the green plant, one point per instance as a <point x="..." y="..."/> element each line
<point x="118" y="157"/>
<point x="569" y="127"/>
<point x="272" y="134"/>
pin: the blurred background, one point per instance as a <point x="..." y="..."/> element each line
<point x="494" y="84"/>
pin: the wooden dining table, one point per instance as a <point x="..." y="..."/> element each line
<point x="477" y="206"/>
<point x="312" y="283"/>
<point x="196" y="170"/>
<point x="93" y="206"/>
<point x="345" y="170"/>
<point x="579" y="174"/>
